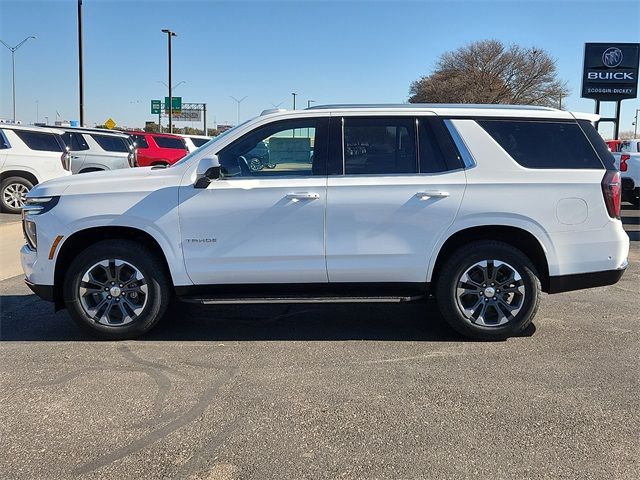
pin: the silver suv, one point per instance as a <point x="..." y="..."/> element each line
<point x="94" y="150"/>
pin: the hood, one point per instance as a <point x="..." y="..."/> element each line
<point x="113" y="181"/>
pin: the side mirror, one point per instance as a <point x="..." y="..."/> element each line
<point x="208" y="169"/>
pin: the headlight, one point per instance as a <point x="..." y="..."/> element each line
<point x="29" y="231"/>
<point x="35" y="206"/>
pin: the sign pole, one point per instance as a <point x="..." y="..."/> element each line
<point x="616" y="132"/>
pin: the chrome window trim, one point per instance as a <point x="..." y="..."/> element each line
<point x="467" y="158"/>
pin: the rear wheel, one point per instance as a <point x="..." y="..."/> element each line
<point x="13" y="193"/>
<point x="116" y="289"/>
<point x="488" y="290"/>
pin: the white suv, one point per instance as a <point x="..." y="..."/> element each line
<point x="28" y="155"/>
<point x="484" y="207"/>
<point x="194" y="142"/>
<point x="94" y="150"/>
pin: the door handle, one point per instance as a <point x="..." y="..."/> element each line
<point x="302" y="196"/>
<point x="434" y="194"/>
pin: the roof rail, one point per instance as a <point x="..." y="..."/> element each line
<point x="432" y="105"/>
<point x="272" y="110"/>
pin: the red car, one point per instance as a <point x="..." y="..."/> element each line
<point x="158" y="148"/>
<point x="614" y="145"/>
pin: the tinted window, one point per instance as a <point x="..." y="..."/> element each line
<point x="75" y="141"/>
<point x="169" y="142"/>
<point x="140" y="141"/>
<point x="543" y="144"/>
<point x="198" y="142"/>
<point x="379" y="145"/>
<point x="437" y="150"/>
<point x="4" y="143"/>
<point x="292" y="147"/>
<point x="598" y="143"/>
<point x="111" y="144"/>
<point x="42" y="141"/>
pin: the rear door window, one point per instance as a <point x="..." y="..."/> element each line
<point x="379" y="145"/>
<point x="438" y="152"/>
<point x="110" y="143"/>
<point x="42" y="141"/>
<point x="543" y="144"/>
<point x="169" y="142"/>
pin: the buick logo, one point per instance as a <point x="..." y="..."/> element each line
<point x="612" y="57"/>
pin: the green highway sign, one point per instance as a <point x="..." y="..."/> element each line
<point x="176" y="106"/>
<point x="155" y="107"/>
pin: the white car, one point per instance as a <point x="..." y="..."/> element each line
<point x="94" y="150"/>
<point x="194" y="142"/>
<point x="485" y="207"/>
<point x="28" y="156"/>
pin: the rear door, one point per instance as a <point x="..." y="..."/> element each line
<point x="395" y="185"/>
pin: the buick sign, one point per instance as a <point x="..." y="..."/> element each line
<point x="610" y="71"/>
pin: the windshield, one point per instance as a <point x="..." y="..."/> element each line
<point x="210" y="142"/>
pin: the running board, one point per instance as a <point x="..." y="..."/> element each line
<point x="296" y="299"/>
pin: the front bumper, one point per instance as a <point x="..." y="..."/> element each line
<point x="45" y="292"/>
<point x="579" y="281"/>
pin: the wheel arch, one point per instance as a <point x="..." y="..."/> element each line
<point x="19" y="173"/>
<point x="517" y="237"/>
<point x="82" y="239"/>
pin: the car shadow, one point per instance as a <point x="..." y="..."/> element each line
<point x="27" y="318"/>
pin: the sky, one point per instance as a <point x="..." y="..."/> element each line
<point x="329" y="52"/>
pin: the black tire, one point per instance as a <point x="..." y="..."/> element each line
<point x="12" y="182"/>
<point x="635" y="198"/>
<point x="158" y="294"/>
<point x="469" y="255"/>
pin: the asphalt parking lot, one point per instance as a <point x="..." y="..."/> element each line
<point x="303" y="391"/>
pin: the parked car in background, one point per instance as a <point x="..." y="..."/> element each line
<point x="194" y="142"/>
<point x="483" y="206"/>
<point x="158" y="148"/>
<point x="94" y="150"/>
<point x="614" y="145"/>
<point x="28" y="156"/>
<point x="627" y="159"/>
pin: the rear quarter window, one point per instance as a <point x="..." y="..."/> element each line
<point x="598" y="144"/>
<point x="41" y="141"/>
<point x="544" y="144"/>
<point x="111" y="144"/>
<point x="168" y="142"/>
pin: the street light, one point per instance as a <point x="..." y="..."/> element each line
<point x="13" y="67"/>
<point x="173" y="87"/>
<point x="238" y="102"/>
<point x="309" y="102"/>
<point x="294" y="99"/>
<point x="169" y="35"/>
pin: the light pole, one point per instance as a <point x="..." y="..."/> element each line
<point x="309" y="102"/>
<point x="238" y="102"/>
<point x="169" y="35"/>
<point x="37" y="112"/>
<point x="80" y="64"/>
<point x="635" y="125"/>
<point x="13" y="67"/>
<point x="294" y="99"/>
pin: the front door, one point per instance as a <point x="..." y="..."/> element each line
<point x="399" y="188"/>
<point x="262" y="222"/>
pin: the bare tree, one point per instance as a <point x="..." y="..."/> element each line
<point x="490" y="72"/>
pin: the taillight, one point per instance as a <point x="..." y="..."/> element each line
<point x="611" y="191"/>
<point x="623" y="162"/>
<point x="65" y="159"/>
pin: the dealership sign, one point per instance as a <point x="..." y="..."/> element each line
<point x="610" y="71"/>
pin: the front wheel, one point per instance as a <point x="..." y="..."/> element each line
<point x="116" y="289"/>
<point x="488" y="290"/>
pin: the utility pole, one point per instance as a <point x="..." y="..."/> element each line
<point x="169" y="35"/>
<point x="13" y="68"/>
<point x="204" y="117"/>
<point x="80" y="63"/>
<point x="238" y="102"/>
